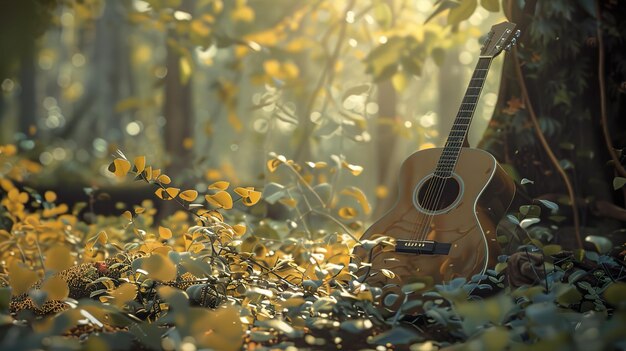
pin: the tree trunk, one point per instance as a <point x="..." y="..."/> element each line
<point x="28" y="101"/>
<point x="385" y="144"/>
<point x="178" y="113"/>
<point x="563" y="90"/>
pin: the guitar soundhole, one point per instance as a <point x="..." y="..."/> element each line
<point x="437" y="193"/>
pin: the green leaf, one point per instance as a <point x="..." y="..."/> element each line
<point x="273" y="192"/>
<point x="356" y="90"/>
<point x="615" y="294"/>
<point x="603" y="245"/>
<point x="383" y="14"/>
<point x="382" y="62"/>
<point x="552" y="249"/>
<point x="442" y="7"/>
<point x="567" y="294"/>
<point x="490" y="5"/>
<point x="530" y="211"/>
<point x="5" y="299"/>
<point x="439" y="55"/>
<point x="413" y="287"/>
<point x="550" y="205"/>
<point x="618" y="182"/>
<point x="395" y="336"/>
<point x="356" y="326"/>
<point x="462" y="12"/>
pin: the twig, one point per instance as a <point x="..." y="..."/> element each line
<point x="327" y="74"/>
<point x="604" y="122"/>
<point x="544" y="142"/>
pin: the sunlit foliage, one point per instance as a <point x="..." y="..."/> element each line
<point x="255" y="250"/>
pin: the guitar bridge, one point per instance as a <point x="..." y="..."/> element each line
<point x="422" y="247"/>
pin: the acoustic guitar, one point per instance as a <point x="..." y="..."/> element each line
<point x="443" y="224"/>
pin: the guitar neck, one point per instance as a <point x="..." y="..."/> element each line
<point x="463" y="119"/>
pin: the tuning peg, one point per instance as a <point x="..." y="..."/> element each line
<point x="518" y="33"/>
<point x="513" y="41"/>
<point x="508" y="47"/>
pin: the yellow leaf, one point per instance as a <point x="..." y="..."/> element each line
<point x="50" y="196"/>
<point x="165" y="233"/>
<point x="189" y="195"/>
<point x="148" y="173"/>
<point x="172" y="192"/>
<point x="215" y="216"/>
<point x="347" y="212"/>
<point x="21" y="278"/>
<point x="317" y="164"/>
<point x="273" y="164"/>
<point x="226" y="329"/>
<point x="272" y="67"/>
<point x="156" y="173"/>
<point x="221" y="199"/>
<point x="387" y="273"/>
<point x="168" y="193"/>
<point x="252" y="198"/>
<point x="288" y="202"/>
<point x="124" y="293"/>
<point x="122" y="167"/>
<point x="399" y="81"/>
<point x="164" y="179"/>
<point x="102" y="238"/>
<point x="354" y="169"/>
<point x="243" y="192"/>
<point x="359" y="196"/>
<point x="58" y="258"/>
<point x="159" y="193"/>
<point x="239" y="229"/>
<point x="291" y="69"/>
<point x="243" y="13"/>
<point x="159" y="267"/>
<point x="185" y="70"/>
<point x="200" y="28"/>
<point x="221" y="185"/>
<point x="128" y="216"/>
<point x="8" y="150"/>
<point x="140" y="163"/>
<point x="234" y="121"/>
<point x="56" y="288"/>
<point x="140" y="210"/>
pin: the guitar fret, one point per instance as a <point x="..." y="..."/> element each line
<point x="450" y="154"/>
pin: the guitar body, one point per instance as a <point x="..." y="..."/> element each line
<point x="468" y="206"/>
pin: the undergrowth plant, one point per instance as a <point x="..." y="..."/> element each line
<point x="207" y="277"/>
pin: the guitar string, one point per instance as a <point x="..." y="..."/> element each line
<point x="421" y="217"/>
<point x="419" y="225"/>
<point x="432" y="197"/>
<point x="454" y="162"/>
<point x="442" y="182"/>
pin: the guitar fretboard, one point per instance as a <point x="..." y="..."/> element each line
<point x="463" y="119"/>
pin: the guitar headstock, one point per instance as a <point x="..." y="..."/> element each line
<point x="501" y="37"/>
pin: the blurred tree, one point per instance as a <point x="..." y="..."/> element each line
<point x="109" y="80"/>
<point x="177" y="105"/>
<point x="21" y="23"/>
